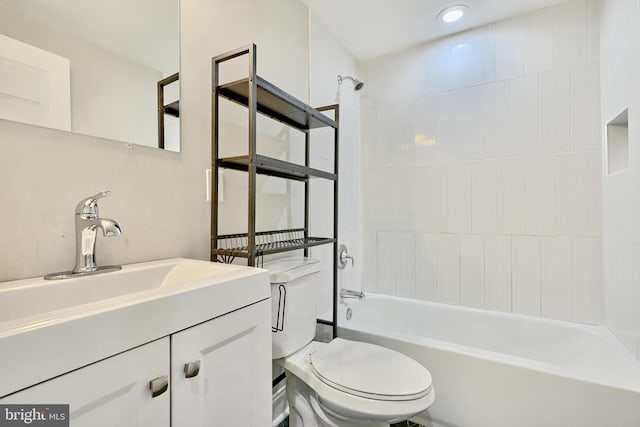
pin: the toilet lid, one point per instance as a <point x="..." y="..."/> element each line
<point x="370" y="371"/>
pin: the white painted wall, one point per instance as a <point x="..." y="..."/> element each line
<point x="481" y="167"/>
<point x="296" y="53"/>
<point x="281" y="34"/>
<point x="328" y="58"/>
<point x="620" y="66"/>
<point x="158" y="196"/>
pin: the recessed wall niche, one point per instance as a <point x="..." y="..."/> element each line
<point x="618" y="143"/>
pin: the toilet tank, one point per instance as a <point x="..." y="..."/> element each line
<point x="294" y="294"/>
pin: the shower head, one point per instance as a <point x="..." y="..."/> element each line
<point x="357" y="84"/>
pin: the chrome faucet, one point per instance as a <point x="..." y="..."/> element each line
<point x="88" y="221"/>
<point x="348" y="293"/>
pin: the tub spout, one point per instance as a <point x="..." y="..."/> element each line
<point x="348" y="293"/>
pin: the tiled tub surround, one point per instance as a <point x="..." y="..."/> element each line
<point x="504" y="370"/>
<point x="621" y="208"/>
<point x="482" y="167"/>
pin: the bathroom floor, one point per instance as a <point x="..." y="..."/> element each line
<point x="285" y="423"/>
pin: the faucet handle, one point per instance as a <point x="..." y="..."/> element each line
<point x="89" y="205"/>
<point x="343" y="256"/>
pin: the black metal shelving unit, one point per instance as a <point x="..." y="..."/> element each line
<point x="171" y="109"/>
<point x="260" y="96"/>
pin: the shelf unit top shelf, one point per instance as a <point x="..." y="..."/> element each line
<point x="172" y="109"/>
<point x="277" y="104"/>
<point x="274" y="167"/>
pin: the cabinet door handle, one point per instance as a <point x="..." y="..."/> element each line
<point x="159" y="385"/>
<point x="191" y="369"/>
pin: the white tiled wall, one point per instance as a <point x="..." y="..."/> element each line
<point x="621" y="208"/>
<point x="555" y="280"/>
<point x="328" y="58"/>
<point x="497" y="272"/>
<point x="481" y="167"/>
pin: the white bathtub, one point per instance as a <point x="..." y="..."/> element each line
<point x="504" y="370"/>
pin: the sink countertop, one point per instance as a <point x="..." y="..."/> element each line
<point x="55" y="338"/>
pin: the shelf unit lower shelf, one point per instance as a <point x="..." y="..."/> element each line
<point x="267" y="242"/>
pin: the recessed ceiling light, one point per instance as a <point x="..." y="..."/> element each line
<point x="453" y="14"/>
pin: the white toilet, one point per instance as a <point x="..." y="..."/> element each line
<point x="341" y="383"/>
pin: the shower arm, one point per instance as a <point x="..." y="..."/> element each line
<point x="357" y="84"/>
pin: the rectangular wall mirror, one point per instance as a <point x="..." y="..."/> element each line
<point x="106" y="69"/>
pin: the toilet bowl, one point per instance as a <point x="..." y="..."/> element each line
<point x="341" y="383"/>
<point x="347" y="383"/>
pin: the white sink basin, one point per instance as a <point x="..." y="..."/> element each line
<point x="49" y="327"/>
<point x="31" y="297"/>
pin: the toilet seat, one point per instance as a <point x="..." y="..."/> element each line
<point x="370" y="371"/>
<point x="345" y="403"/>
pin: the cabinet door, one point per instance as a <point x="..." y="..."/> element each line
<point x="113" y="392"/>
<point x="233" y="385"/>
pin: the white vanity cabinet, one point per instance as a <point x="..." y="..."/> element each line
<point x="98" y="342"/>
<point x="113" y="392"/>
<point x="231" y="387"/>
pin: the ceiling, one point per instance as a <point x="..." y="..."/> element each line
<point x="371" y="28"/>
<point x="367" y="28"/>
